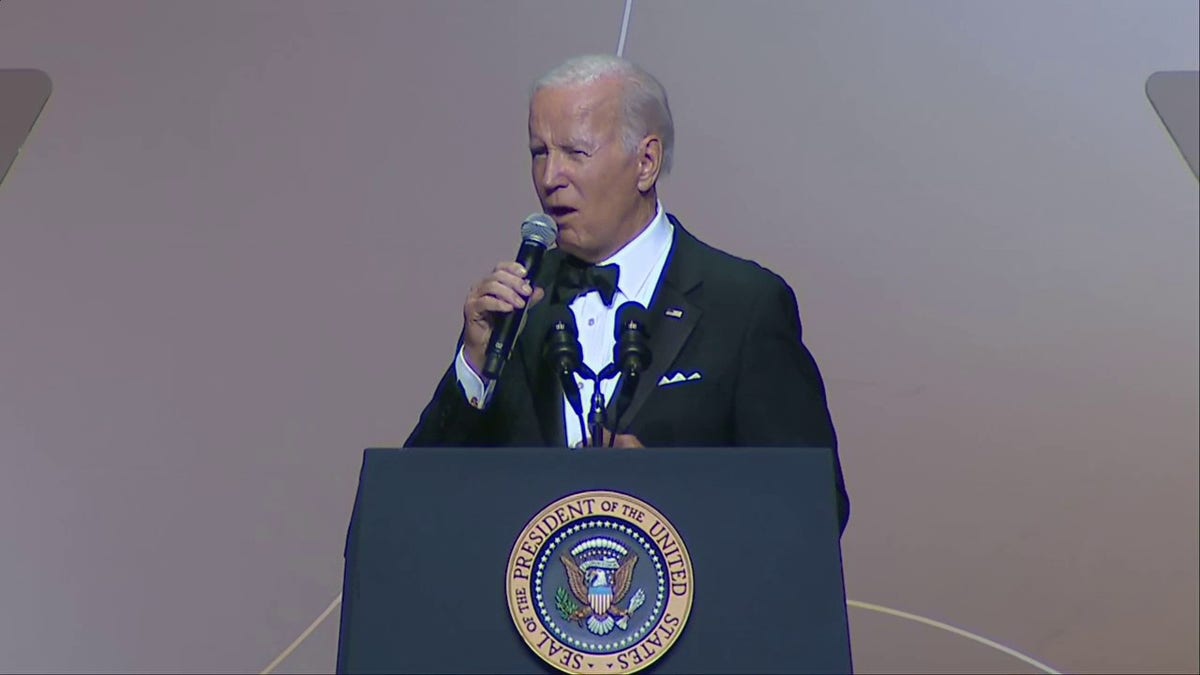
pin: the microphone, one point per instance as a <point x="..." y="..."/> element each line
<point x="538" y="232"/>
<point x="632" y="351"/>
<point x="566" y="354"/>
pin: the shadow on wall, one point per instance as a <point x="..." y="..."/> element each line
<point x="1175" y="95"/>
<point x="24" y="93"/>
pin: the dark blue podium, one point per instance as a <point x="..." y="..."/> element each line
<point x="429" y="574"/>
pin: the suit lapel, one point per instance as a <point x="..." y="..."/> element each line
<point x="543" y="384"/>
<point x="668" y="331"/>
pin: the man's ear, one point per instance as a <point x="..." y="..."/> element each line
<point x="650" y="158"/>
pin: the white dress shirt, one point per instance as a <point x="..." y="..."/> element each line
<point x="641" y="263"/>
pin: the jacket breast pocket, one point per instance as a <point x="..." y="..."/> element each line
<point x="685" y="412"/>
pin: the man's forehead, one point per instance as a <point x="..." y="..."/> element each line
<point x="576" y="102"/>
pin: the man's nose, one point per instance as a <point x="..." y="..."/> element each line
<point x="552" y="176"/>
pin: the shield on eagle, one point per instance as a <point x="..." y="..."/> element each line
<point x="599" y="592"/>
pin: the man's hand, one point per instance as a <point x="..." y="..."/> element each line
<point x="621" y="441"/>
<point x="499" y="293"/>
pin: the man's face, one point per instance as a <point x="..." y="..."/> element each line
<point x="585" y="178"/>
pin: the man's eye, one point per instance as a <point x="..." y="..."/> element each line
<point x="537" y="152"/>
<point x="579" y="153"/>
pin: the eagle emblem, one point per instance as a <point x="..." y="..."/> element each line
<point x="600" y="575"/>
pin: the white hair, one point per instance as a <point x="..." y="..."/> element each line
<point x="644" y="108"/>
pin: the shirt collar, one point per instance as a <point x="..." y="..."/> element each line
<point x="638" y="258"/>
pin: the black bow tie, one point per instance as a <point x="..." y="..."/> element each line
<point x="575" y="278"/>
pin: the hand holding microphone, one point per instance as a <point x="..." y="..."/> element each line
<point x="496" y="305"/>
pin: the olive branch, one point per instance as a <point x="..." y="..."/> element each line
<point x="565" y="603"/>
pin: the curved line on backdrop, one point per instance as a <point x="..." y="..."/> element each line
<point x="962" y="632"/>
<point x="953" y="630"/>
<point x="307" y="631"/>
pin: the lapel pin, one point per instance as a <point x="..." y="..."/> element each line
<point x="675" y="313"/>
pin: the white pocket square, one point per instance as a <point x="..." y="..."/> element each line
<point x="677" y="377"/>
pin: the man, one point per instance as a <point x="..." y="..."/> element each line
<point x="728" y="365"/>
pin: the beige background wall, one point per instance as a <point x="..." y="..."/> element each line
<point x="233" y="254"/>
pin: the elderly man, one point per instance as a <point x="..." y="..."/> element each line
<point x="728" y="368"/>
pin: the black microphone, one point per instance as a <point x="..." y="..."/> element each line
<point x="565" y="354"/>
<point x="538" y="232"/>
<point x="631" y="353"/>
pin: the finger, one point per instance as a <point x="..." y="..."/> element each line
<point x="538" y="294"/>
<point x="498" y="290"/>
<point x="627" y="441"/>
<point x="489" y="303"/>
<point x="512" y="281"/>
<point x="512" y="268"/>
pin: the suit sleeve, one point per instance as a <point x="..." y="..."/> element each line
<point x="780" y="397"/>
<point x="450" y="420"/>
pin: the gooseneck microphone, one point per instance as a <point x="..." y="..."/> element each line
<point x="538" y="232"/>
<point x="565" y="354"/>
<point x="631" y="358"/>
<point x="631" y="353"/>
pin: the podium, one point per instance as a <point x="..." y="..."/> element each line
<point x="541" y="560"/>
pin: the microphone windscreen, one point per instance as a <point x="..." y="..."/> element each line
<point x="540" y="228"/>
<point x="561" y="317"/>
<point x="631" y="316"/>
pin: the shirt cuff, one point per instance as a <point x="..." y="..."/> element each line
<point x="472" y="385"/>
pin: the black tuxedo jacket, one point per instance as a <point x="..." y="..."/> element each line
<point x="735" y="323"/>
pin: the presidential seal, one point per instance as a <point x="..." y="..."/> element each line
<point x="599" y="582"/>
